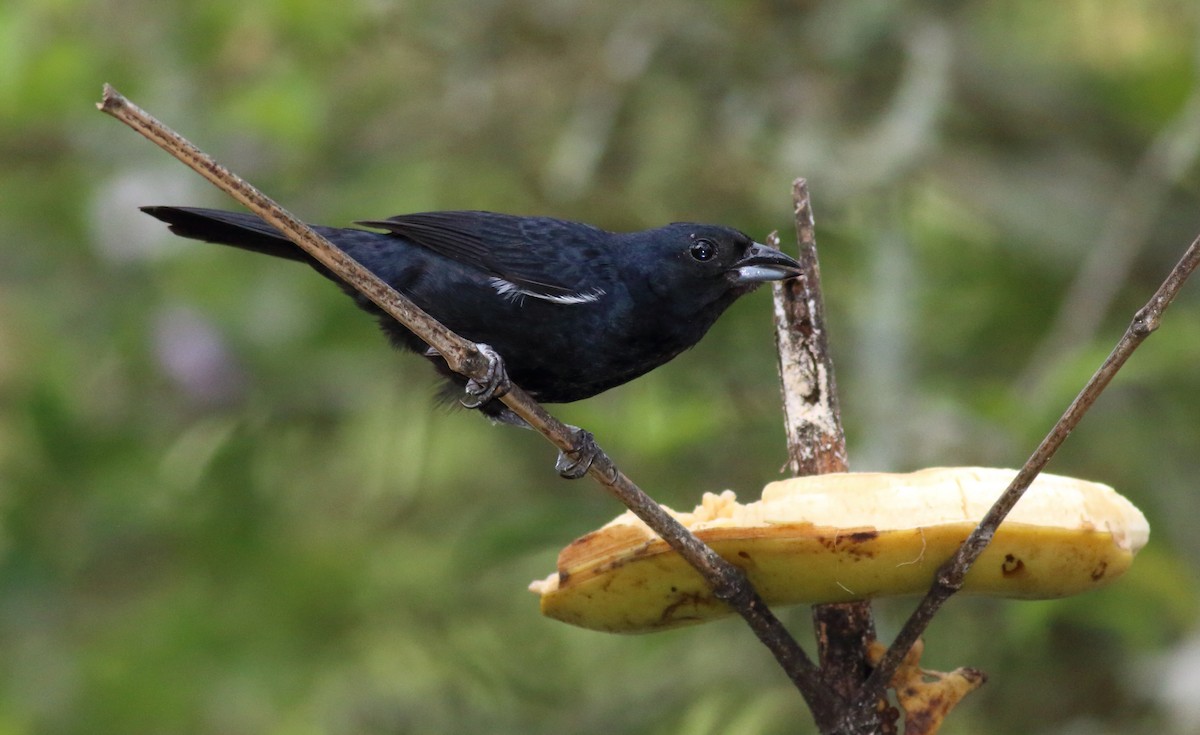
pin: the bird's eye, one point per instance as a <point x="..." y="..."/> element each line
<point x="703" y="250"/>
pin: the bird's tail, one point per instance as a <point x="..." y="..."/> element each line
<point x="245" y="231"/>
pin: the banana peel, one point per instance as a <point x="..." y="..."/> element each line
<point x="849" y="536"/>
<point x="926" y="697"/>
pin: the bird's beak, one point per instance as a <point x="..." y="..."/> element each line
<point x="762" y="263"/>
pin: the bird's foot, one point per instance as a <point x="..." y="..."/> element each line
<point x="495" y="382"/>
<point x="573" y="464"/>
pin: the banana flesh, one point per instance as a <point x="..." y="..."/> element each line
<point x="851" y="536"/>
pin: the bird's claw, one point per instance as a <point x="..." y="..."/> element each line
<point x="574" y="463"/>
<point x="495" y="382"/>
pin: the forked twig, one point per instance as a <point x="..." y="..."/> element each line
<point x="950" y="576"/>
<point x="727" y="581"/>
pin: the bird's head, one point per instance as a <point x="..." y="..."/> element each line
<point x="710" y="262"/>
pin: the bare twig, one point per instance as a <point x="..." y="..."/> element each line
<point x="812" y="417"/>
<point x="817" y="445"/>
<point x="950" y="576"/>
<point x="728" y="582"/>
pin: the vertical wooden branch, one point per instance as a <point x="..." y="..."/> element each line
<point x="817" y="445"/>
<point x="812" y="416"/>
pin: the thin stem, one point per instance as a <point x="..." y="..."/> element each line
<point x="727" y="581"/>
<point x="950" y="576"/>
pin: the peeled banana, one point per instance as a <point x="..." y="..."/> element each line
<point x="850" y="536"/>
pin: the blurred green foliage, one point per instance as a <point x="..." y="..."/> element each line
<point x="226" y="507"/>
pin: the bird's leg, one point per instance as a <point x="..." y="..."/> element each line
<point x="494" y="384"/>
<point x="573" y="464"/>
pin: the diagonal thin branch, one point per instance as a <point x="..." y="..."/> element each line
<point x="727" y="581"/>
<point x="950" y="576"/>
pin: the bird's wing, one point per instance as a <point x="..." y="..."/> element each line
<point x="524" y="256"/>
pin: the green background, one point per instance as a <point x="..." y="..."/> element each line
<point x="227" y="507"/>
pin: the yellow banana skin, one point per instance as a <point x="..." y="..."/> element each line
<point x="877" y="535"/>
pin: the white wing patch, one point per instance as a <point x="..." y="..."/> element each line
<point x="513" y="292"/>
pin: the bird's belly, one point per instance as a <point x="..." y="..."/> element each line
<point x="572" y="366"/>
<point x="561" y="353"/>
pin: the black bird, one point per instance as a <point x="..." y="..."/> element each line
<point x="572" y="309"/>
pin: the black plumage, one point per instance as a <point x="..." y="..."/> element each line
<point x="572" y="309"/>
